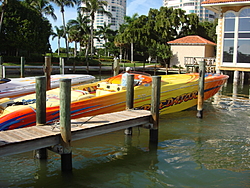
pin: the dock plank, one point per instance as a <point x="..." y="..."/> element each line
<point x="37" y="137"/>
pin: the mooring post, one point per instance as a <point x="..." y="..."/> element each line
<point x="155" y="69"/>
<point x="166" y="67"/>
<point x="129" y="98"/>
<point x="22" y="67"/>
<point x="65" y="124"/>
<point x="201" y="89"/>
<point x="61" y="64"/>
<point x="1" y="71"/>
<point x="41" y="111"/>
<point x="116" y="67"/>
<point x="236" y="77"/>
<point x="100" y="71"/>
<point x="155" y="103"/>
<point x="4" y="71"/>
<point x="48" y="71"/>
<point x="242" y="78"/>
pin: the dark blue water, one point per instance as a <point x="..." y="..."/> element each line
<point x="192" y="152"/>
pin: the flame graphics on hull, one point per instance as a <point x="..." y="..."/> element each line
<point x="173" y="100"/>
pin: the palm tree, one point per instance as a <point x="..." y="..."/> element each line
<point x="79" y="30"/>
<point x="74" y="37"/>
<point x="91" y="7"/>
<point x="62" y="4"/>
<point x="128" y="20"/>
<point x="4" y="3"/>
<point x="104" y="32"/>
<point x="58" y="34"/>
<point x="43" y="7"/>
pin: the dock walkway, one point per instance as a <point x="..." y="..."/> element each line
<point x="37" y="137"/>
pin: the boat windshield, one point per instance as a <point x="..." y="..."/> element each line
<point x="4" y="80"/>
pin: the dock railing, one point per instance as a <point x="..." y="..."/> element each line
<point x="193" y="63"/>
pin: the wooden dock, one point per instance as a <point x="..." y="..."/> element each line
<point x="37" y="137"/>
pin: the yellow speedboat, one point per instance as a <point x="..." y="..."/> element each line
<point x="178" y="92"/>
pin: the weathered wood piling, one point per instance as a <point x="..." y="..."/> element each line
<point x="47" y="71"/>
<point x="22" y="67"/>
<point x="65" y="124"/>
<point x="201" y="89"/>
<point x="41" y="111"/>
<point x="155" y="102"/>
<point x="1" y="68"/>
<point x="61" y="65"/>
<point x="129" y="98"/>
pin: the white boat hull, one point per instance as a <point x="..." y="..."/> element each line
<point x="22" y="86"/>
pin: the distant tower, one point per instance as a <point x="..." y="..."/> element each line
<point x="191" y="6"/>
<point x="118" y="10"/>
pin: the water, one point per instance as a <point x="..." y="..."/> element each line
<point x="192" y="152"/>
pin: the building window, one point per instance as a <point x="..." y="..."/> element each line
<point x="113" y="9"/>
<point x="236" y="43"/>
<point x="211" y="16"/>
<point x="188" y="4"/>
<point x="243" y="47"/>
<point x="229" y="29"/>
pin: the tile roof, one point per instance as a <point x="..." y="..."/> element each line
<point x="221" y="1"/>
<point x="192" y="39"/>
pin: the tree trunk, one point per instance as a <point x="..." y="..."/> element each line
<point x="132" y="52"/>
<point x="1" y="19"/>
<point x="58" y="44"/>
<point x="75" y="51"/>
<point x="92" y="34"/>
<point x="64" y="33"/>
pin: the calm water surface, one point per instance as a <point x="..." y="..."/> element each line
<point x="192" y="152"/>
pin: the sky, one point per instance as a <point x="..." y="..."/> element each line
<point x="141" y="7"/>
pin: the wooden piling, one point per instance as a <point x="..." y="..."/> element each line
<point x="155" y="69"/>
<point x="22" y="67"/>
<point x="129" y="98"/>
<point x="155" y="102"/>
<point x="166" y="71"/>
<point x="236" y="77"/>
<point x="100" y="71"/>
<point x="40" y="100"/>
<point x="48" y="71"/>
<point x="61" y="64"/>
<point x="65" y="124"/>
<point x="201" y="89"/>
<point x="1" y="71"/>
<point x="2" y="68"/>
<point x="130" y="92"/>
<point x="41" y="111"/>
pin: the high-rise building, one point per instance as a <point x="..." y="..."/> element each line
<point x="191" y="6"/>
<point x="118" y="10"/>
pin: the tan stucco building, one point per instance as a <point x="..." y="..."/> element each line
<point x="192" y="46"/>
